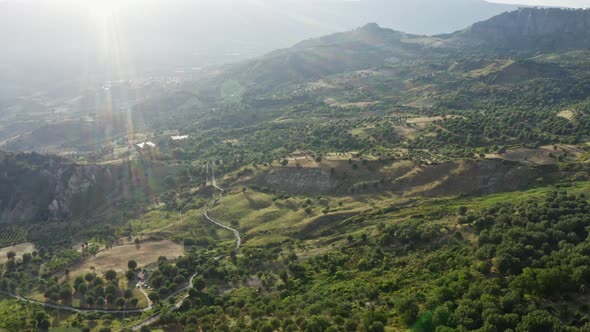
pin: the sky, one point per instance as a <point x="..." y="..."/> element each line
<point x="557" y="3"/>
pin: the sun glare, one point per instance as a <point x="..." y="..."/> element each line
<point x="102" y="8"/>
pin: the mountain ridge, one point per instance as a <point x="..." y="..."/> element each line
<point x="533" y="29"/>
<point x="524" y="30"/>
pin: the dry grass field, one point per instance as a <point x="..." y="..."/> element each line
<point x="540" y="156"/>
<point x="19" y="249"/>
<point x="117" y="257"/>
<point x="567" y="114"/>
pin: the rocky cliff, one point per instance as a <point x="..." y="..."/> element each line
<point x="39" y="188"/>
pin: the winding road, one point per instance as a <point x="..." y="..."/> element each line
<point x="206" y="214"/>
<point x="156" y="318"/>
<point x="236" y="233"/>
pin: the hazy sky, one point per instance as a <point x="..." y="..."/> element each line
<point x="562" y="3"/>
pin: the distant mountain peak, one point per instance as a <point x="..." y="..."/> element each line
<point x="371" y="27"/>
<point x="534" y="29"/>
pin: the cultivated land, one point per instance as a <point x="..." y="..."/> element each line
<point x="116" y="258"/>
<point x="19" y="250"/>
<point x="375" y="186"/>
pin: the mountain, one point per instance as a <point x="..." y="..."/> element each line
<point x="369" y="46"/>
<point x="73" y="41"/>
<point x="442" y="180"/>
<point x="532" y="29"/>
<point x="526" y="30"/>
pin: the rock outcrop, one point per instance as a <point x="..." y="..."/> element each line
<point x="39" y="188"/>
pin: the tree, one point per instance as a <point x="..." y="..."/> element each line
<point x="44" y="324"/>
<point x="186" y="304"/>
<point x="133" y="302"/>
<point x="199" y="283"/>
<point x="462" y="210"/>
<point x="65" y="293"/>
<point x="408" y="310"/>
<point x="377" y="327"/>
<point x="154" y="297"/>
<point x="10" y="255"/>
<point x="128" y="293"/>
<point x="441" y="315"/>
<point x="77" y="282"/>
<point x="82" y="289"/>
<point x="89" y="277"/>
<point x="90" y="300"/>
<point x="132" y="264"/>
<point x="100" y="301"/>
<point x="11" y="265"/>
<point x="266" y="327"/>
<point x="110" y="289"/>
<point x="110" y="275"/>
<point x="120" y="302"/>
<point x="27" y="258"/>
<point x="130" y="275"/>
<point x="539" y="320"/>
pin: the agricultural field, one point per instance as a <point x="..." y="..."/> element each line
<point x="116" y="258"/>
<point x="373" y="181"/>
<point x="13" y="234"/>
<point x="542" y="155"/>
<point x="18" y="250"/>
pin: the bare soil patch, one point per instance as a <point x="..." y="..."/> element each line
<point x="566" y="114"/>
<point x="423" y="120"/>
<point x="117" y="257"/>
<point x="404" y="131"/>
<point x="543" y="155"/>
<point x="19" y="250"/>
<point x="361" y="104"/>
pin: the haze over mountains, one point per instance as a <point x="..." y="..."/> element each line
<point x="372" y="179"/>
<point x="526" y="30"/>
<point x="68" y="39"/>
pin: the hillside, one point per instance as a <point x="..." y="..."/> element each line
<point x="369" y="180"/>
<point x="526" y="30"/>
<point x="368" y="46"/>
<point x="531" y="29"/>
<point x="40" y="57"/>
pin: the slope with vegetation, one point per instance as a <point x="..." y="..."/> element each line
<point x="380" y="181"/>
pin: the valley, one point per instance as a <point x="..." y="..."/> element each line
<point x="369" y="180"/>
